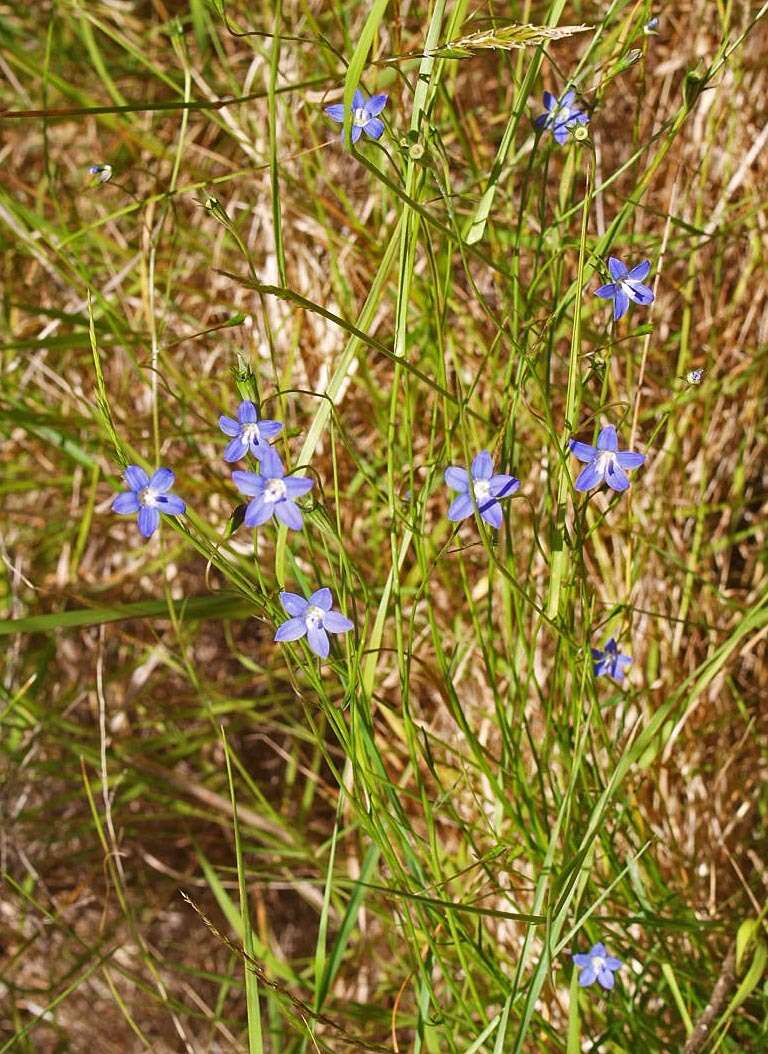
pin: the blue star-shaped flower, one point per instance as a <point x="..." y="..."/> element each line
<point x="483" y="491"/>
<point x="314" y="618"/>
<point x="605" y="462"/>
<point x="148" y="496"/>
<point x="610" y="661"/>
<point x="561" y="115"/>
<point x="596" y="965"/>
<point x="626" y="285"/>
<point x="365" y="115"/>
<point x="272" y="492"/>
<point x="248" y="431"/>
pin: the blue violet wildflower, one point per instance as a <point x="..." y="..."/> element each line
<point x="561" y="116"/>
<point x="313" y="618"/>
<point x="148" y="496"/>
<point x="248" y="432"/>
<point x="273" y="492"/>
<point x="365" y="115"/>
<point x="605" y="462"/>
<point x="101" y="173"/>
<point x="483" y="491"/>
<point x="626" y="285"/>
<point x="597" y="965"/>
<point x="610" y="661"/>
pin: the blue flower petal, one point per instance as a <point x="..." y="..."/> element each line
<point x="162" y="480"/>
<point x="293" y="604"/>
<point x="617" y="268"/>
<point x="567" y="100"/>
<point x="503" y="486"/>
<point x="639" y="271"/>
<point x="605" y="978"/>
<point x="581" y="959"/>
<point x="336" y="112"/>
<point x="460" y="508"/>
<point x="248" y="483"/>
<point x="616" y="477"/>
<point x="641" y="294"/>
<point x="491" y="513"/>
<point x="358" y="100"/>
<point x="235" y="450"/>
<point x="322" y="598"/>
<point x="271" y="465"/>
<point x="257" y="512"/>
<point x="589" y="477"/>
<point x="606" y="291"/>
<point x="289" y="513"/>
<point x="457" y="478"/>
<point x="269" y="429"/>
<point x="610" y="961"/>
<point x="149" y="520"/>
<point x="587" y="977"/>
<point x="629" y="459"/>
<point x="135" y="477"/>
<point x="550" y="100"/>
<point x="376" y="104"/>
<point x="583" y="451"/>
<point x="335" y="622"/>
<point x="608" y="440"/>
<point x="356" y="133"/>
<point x="374" y="128"/>
<point x="296" y="486"/>
<point x="229" y="426"/>
<point x="560" y="134"/>
<point x="620" y="304"/>
<point x="293" y="629"/>
<point x="318" y="641"/>
<point x="247" y="413"/>
<point x="482" y="465"/>
<point x="126" y="503"/>
<point x="171" y="505"/>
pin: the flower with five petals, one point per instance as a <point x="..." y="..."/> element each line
<point x="626" y="285"/>
<point x="597" y="965"/>
<point x="605" y="462"/>
<point x="248" y="432"/>
<point x="273" y="492"/>
<point x="483" y="491"/>
<point x="148" y="496"/>
<point x="313" y="618"/>
<point x="365" y="115"/>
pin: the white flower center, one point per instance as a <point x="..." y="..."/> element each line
<point x="606" y="460"/>
<point x="275" y="490"/>
<point x="249" y="432"/>
<point x="482" y="489"/>
<point x="360" y="117"/>
<point x="563" y="113"/>
<point x="313" y="617"/>
<point x="147" y="497"/>
<point x="598" y="963"/>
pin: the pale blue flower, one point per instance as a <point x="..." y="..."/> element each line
<point x="483" y="491"/>
<point x="365" y="115"/>
<point x="597" y="965"/>
<point x="605" y="462"/>
<point x="626" y="285"/>
<point x="148" y="496"/>
<point x="273" y="492"/>
<point x="313" y="618"/>
<point x="610" y="661"/>
<point x="248" y="431"/>
<point x="561" y="116"/>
